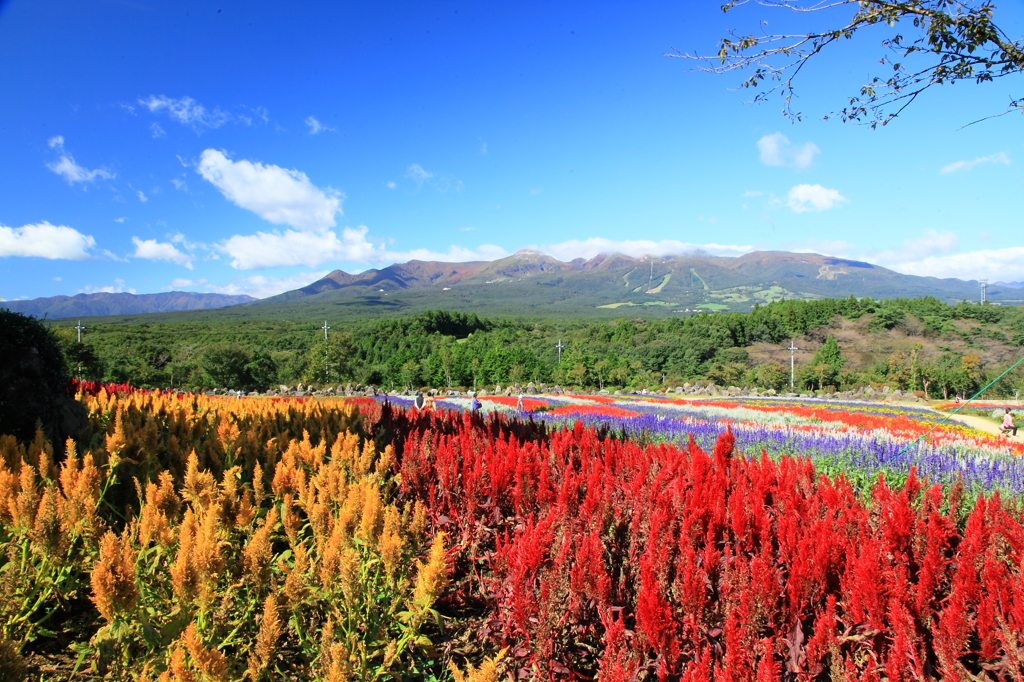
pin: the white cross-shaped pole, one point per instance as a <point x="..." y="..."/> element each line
<point x="79" y="327"/>
<point x="792" y="360"/>
<point x="325" y="328"/>
<point x="559" y="346"/>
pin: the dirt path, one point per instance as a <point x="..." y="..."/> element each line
<point x="979" y="423"/>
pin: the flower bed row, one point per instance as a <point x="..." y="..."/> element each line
<point x="202" y="538"/>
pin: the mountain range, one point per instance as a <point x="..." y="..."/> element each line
<point x="531" y="282"/>
<point x="534" y="284"/>
<point x="100" y="304"/>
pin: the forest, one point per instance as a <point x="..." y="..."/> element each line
<point x="943" y="349"/>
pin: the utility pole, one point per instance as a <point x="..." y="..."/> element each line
<point x="984" y="288"/>
<point x="559" y="346"/>
<point x="327" y="371"/>
<point x="792" y="361"/>
<point x="79" y="327"/>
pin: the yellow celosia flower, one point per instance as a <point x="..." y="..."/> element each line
<point x="487" y="672"/>
<point x="432" y="576"/>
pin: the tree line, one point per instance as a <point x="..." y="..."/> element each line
<point x="445" y="349"/>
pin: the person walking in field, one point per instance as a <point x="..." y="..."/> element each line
<point x="1009" y="427"/>
<point x="428" y="402"/>
<point x="419" y="401"/>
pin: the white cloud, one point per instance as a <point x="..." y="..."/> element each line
<point x="117" y="288"/>
<point x="261" y="286"/>
<point x="66" y="167"/>
<point x="803" y="198"/>
<point x="934" y="253"/>
<point x="120" y="220"/>
<point x="187" y="111"/>
<point x="753" y="193"/>
<point x="181" y="283"/>
<point x="454" y="254"/>
<point x="44" y="240"/>
<point x="142" y="197"/>
<point x="1001" y="157"/>
<point x="316" y="127"/>
<point x="292" y="247"/>
<point x="157" y="131"/>
<point x="588" y="248"/>
<point x="441" y="183"/>
<point x="278" y="195"/>
<point x="418" y="174"/>
<point x="777" y="150"/>
<point x="57" y="279"/>
<point x="1005" y="264"/>
<point x="179" y="184"/>
<point x="391" y="184"/>
<point x="929" y="244"/>
<point x="151" y="249"/>
<point x="483" y="148"/>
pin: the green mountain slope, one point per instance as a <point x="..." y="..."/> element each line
<point x="99" y="304"/>
<point x="531" y="283"/>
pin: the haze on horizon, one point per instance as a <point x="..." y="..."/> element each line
<point x="252" y="148"/>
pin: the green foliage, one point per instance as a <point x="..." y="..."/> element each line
<point x="450" y="349"/>
<point x="82" y="359"/>
<point x="886" y="317"/>
<point x="229" y="365"/>
<point x="770" y="375"/>
<point x="328" y="360"/>
<point x="18" y="332"/>
<point x="828" y="361"/>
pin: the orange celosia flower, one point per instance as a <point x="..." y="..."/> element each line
<point x="371" y="515"/>
<point x="211" y="663"/>
<point x="46" y="533"/>
<point x="258" y="551"/>
<point x="25" y="504"/>
<point x="8" y="493"/>
<point x="264" y="652"/>
<point x="80" y="484"/>
<point x="177" y="667"/>
<point x="166" y="499"/>
<point x="113" y="578"/>
<point x="199" y="487"/>
<point x="184" y="571"/>
<point x="116" y="441"/>
<point x="152" y="523"/>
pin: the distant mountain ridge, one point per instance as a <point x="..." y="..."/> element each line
<point x="99" y="304"/>
<point x="534" y="281"/>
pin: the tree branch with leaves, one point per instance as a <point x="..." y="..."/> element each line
<point x="949" y="41"/>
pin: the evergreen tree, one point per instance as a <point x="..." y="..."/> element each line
<point x="827" y="363"/>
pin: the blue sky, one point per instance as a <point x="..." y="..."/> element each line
<point x="251" y="147"/>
